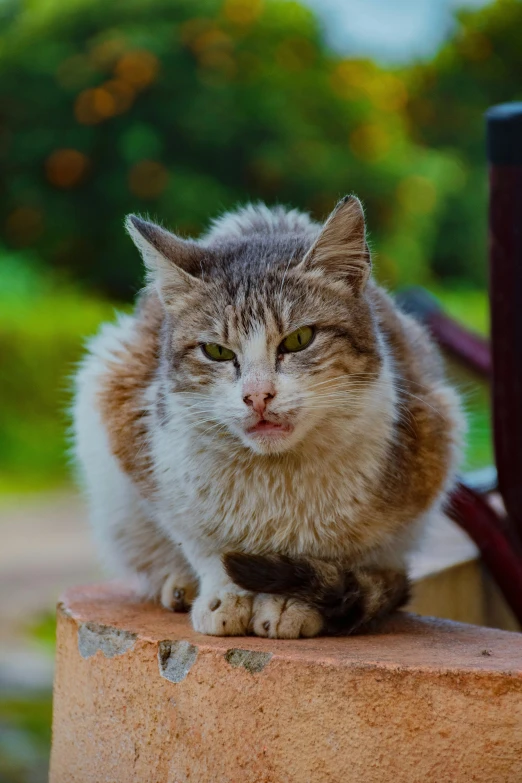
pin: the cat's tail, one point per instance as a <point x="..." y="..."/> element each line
<point x="347" y="599"/>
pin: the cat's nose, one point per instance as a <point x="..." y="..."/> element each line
<point x="258" y="398"/>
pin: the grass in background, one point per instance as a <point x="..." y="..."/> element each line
<point x="25" y="737"/>
<point x="25" y="716"/>
<point x="43" y="327"/>
<point x="471" y="308"/>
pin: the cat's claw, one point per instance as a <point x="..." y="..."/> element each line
<point x="277" y="617"/>
<point x="222" y="614"/>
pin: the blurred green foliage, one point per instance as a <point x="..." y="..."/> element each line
<point x="480" y="66"/>
<point x="25" y="714"/>
<point x="43" y="325"/>
<point x="25" y="737"/>
<point x="184" y="107"/>
<point x="470" y="307"/>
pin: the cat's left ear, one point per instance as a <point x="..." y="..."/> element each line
<point x="341" y="250"/>
<point x="173" y="264"/>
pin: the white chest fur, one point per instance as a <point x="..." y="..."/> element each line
<point x="304" y="502"/>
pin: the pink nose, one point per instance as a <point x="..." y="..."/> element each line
<point x="258" y="398"/>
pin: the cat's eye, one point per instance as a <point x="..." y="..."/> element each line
<point x="298" y="340"/>
<point x="218" y="352"/>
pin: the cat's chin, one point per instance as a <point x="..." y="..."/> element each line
<point x="270" y="438"/>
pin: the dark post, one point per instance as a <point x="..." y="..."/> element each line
<point x="504" y="141"/>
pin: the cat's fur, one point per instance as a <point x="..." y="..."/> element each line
<point x="288" y="535"/>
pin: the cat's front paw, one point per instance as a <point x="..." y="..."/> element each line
<point x="178" y="593"/>
<point x="222" y="614"/>
<point x="284" y="618"/>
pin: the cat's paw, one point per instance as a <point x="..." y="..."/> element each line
<point x="178" y="594"/>
<point x="222" y="614"/>
<point x="284" y="618"/>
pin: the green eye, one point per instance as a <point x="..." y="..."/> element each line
<point x="218" y="352"/>
<point x="298" y="340"/>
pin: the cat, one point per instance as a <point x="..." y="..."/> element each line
<point x="262" y="440"/>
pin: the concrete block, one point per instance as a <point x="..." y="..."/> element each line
<point x="141" y="698"/>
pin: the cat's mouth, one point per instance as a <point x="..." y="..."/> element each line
<point x="271" y="428"/>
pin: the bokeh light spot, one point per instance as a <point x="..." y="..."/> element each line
<point x="66" y="168"/>
<point x="388" y="93"/>
<point x="243" y="12"/>
<point x="94" y="105"/>
<point x="104" y="53"/>
<point x="122" y="94"/>
<point x="348" y="78"/>
<point x="369" y="142"/>
<point x="138" y="68"/>
<point x="355" y="80"/>
<point x="295" y="54"/>
<point x="214" y="39"/>
<point x="148" y="179"/>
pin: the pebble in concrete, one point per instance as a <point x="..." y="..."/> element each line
<point x="253" y="662"/>
<point x="175" y="659"/>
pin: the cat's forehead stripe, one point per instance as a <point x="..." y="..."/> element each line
<point x="256" y="344"/>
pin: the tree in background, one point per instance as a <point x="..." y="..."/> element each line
<point x="182" y="108"/>
<point x="480" y="66"/>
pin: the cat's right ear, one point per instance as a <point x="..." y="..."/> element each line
<point x="341" y="250"/>
<point x="169" y="260"/>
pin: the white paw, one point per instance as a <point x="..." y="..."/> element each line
<point x="284" y="618"/>
<point x="222" y="614"/>
<point x="178" y="593"/>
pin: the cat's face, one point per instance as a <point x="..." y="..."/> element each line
<point x="269" y="342"/>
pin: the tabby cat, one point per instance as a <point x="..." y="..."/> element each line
<point x="264" y="437"/>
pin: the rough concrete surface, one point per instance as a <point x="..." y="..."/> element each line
<point x="424" y="700"/>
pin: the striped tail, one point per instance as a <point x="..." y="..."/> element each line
<point x="347" y="599"/>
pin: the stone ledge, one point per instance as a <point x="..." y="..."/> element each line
<point x="139" y="696"/>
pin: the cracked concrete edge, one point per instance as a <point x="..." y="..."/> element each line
<point x="62" y="608"/>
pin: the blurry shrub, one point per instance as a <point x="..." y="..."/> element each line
<point x="25" y="717"/>
<point x="478" y="67"/>
<point x="25" y="737"/>
<point x="43" y="325"/>
<point x="181" y="108"/>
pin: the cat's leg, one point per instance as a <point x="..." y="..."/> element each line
<point x="134" y="545"/>
<point x="163" y="570"/>
<point x="221" y="608"/>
